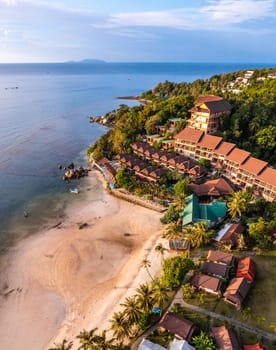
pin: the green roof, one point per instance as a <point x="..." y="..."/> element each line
<point x="195" y="212"/>
<point x="175" y="119"/>
<point x="168" y="141"/>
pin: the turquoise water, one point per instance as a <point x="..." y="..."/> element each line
<point x="44" y="112"/>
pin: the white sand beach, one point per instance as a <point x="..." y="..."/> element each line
<point x="65" y="279"/>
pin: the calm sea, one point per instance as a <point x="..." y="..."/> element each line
<point x="44" y="111"/>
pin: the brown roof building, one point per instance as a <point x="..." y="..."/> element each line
<point x="206" y="146"/>
<point x="246" y="268"/>
<point x="213" y="188"/>
<point x="217" y="270"/>
<point x="237" y="291"/>
<point x="207" y="283"/>
<point x="225" y="338"/>
<point x="177" y="325"/>
<point x="220" y="257"/>
<point x="229" y="234"/>
<point x="186" y="140"/>
<point x="206" y="113"/>
<point x="265" y="183"/>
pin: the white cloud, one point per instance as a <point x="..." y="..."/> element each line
<point x="4" y="32"/>
<point x="238" y="11"/>
<point x="8" y="2"/>
<point x="215" y="14"/>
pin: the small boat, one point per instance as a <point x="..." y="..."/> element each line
<point x="74" y="190"/>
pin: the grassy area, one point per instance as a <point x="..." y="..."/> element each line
<point x="261" y="299"/>
<point x="251" y="338"/>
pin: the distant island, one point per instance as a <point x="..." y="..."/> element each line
<point x="88" y="61"/>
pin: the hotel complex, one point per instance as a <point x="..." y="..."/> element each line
<point x="235" y="164"/>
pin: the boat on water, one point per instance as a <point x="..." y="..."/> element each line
<point x="74" y="190"/>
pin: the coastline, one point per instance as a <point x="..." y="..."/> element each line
<point x="65" y="279"/>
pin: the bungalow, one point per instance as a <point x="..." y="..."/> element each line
<point x="148" y="345"/>
<point x="229" y="234"/>
<point x="217" y="270"/>
<point x="197" y="171"/>
<point x="179" y="244"/>
<point x="195" y="212"/>
<point x="237" y="291"/>
<point x="225" y="338"/>
<point x="247" y="269"/>
<point x="220" y="257"/>
<point x="213" y="188"/>
<point x="180" y="344"/>
<point x="177" y="325"/>
<point x="207" y="283"/>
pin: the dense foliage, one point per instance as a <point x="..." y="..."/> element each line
<point x="174" y="270"/>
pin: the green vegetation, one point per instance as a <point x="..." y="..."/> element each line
<point x="203" y="341"/>
<point x="174" y="270"/>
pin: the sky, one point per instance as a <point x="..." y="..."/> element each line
<point x="138" y="31"/>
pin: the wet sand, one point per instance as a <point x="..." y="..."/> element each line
<point x="65" y="279"/>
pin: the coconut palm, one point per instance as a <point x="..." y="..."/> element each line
<point x="63" y="346"/>
<point x="159" y="293"/>
<point x="87" y="339"/>
<point x="198" y="234"/>
<point x="173" y="231"/>
<point x="144" y="297"/>
<point x="160" y="249"/>
<point x="119" y="326"/>
<point x="146" y="264"/>
<point x="203" y="341"/>
<point x="131" y="310"/>
<point x="101" y="343"/>
<point x="237" y="203"/>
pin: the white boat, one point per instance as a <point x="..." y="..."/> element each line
<point x="74" y="190"/>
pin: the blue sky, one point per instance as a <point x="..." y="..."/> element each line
<point x="135" y="31"/>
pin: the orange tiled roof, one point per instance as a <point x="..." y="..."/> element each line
<point x="208" y="98"/>
<point x="220" y="186"/>
<point x="210" y="142"/>
<point x="224" y="148"/>
<point x="268" y="176"/>
<point x="253" y="165"/>
<point x="238" y="155"/>
<point x="190" y="135"/>
<point x="253" y="347"/>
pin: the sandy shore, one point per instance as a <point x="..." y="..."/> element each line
<point x="66" y="279"/>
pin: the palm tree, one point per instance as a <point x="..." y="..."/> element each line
<point x="159" y="293"/>
<point x="87" y="339"/>
<point x="173" y="231"/>
<point x="144" y="297"/>
<point x="119" y="326"/>
<point x="198" y="234"/>
<point x="63" y="346"/>
<point x="101" y="343"/>
<point x="131" y="311"/>
<point x="203" y="341"/>
<point x="237" y="203"/>
<point x="146" y="264"/>
<point x="160" y="249"/>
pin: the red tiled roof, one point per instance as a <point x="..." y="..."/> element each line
<point x="225" y="338"/>
<point x="217" y="187"/>
<point x="177" y="325"/>
<point x="253" y="165"/>
<point x="206" y="282"/>
<point x="247" y="269"/>
<point x="232" y="233"/>
<point x="220" y="257"/>
<point x="238" y="155"/>
<point x="268" y="176"/>
<point x="190" y="135"/>
<point x="224" y="148"/>
<point x="210" y="142"/>
<point x="208" y="98"/>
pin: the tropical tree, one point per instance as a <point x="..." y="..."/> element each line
<point x="174" y="270"/>
<point x="182" y="188"/>
<point x="120" y="326"/>
<point x="159" y="293"/>
<point x="198" y="234"/>
<point x="246" y="313"/>
<point x="146" y="264"/>
<point x="160" y="249"/>
<point x="173" y="231"/>
<point x="102" y="343"/>
<point x="144" y="297"/>
<point x="238" y="203"/>
<point x="87" y="339"/>
<point x="203" y="341"/>
<point x="131" y="311"/>
<point x="187" y="291"/>
<point x="64" y="345"/>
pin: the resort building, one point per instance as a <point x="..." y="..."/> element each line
<point x="214" y="269"/>
<point x="206" y="113"/>
<point x="235" y="164"/>
<point x="207" y="283"/>
<point x="229" y="234"/>
<point x="221" y="258"/>
<point x="247" y="269"/>
<point x="237" y="291"/>
<point x="177" y="325"/>
<point x="194" y="212"/>
<point x="213" y="188"/>
<point x="225" y="339"/>
<point x="180" y="344"/>
<point x="148" y="345"/>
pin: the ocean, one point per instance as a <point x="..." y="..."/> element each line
<point x="44" y="122"/>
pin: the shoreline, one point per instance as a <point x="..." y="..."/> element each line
<point x="70" y="279"/>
